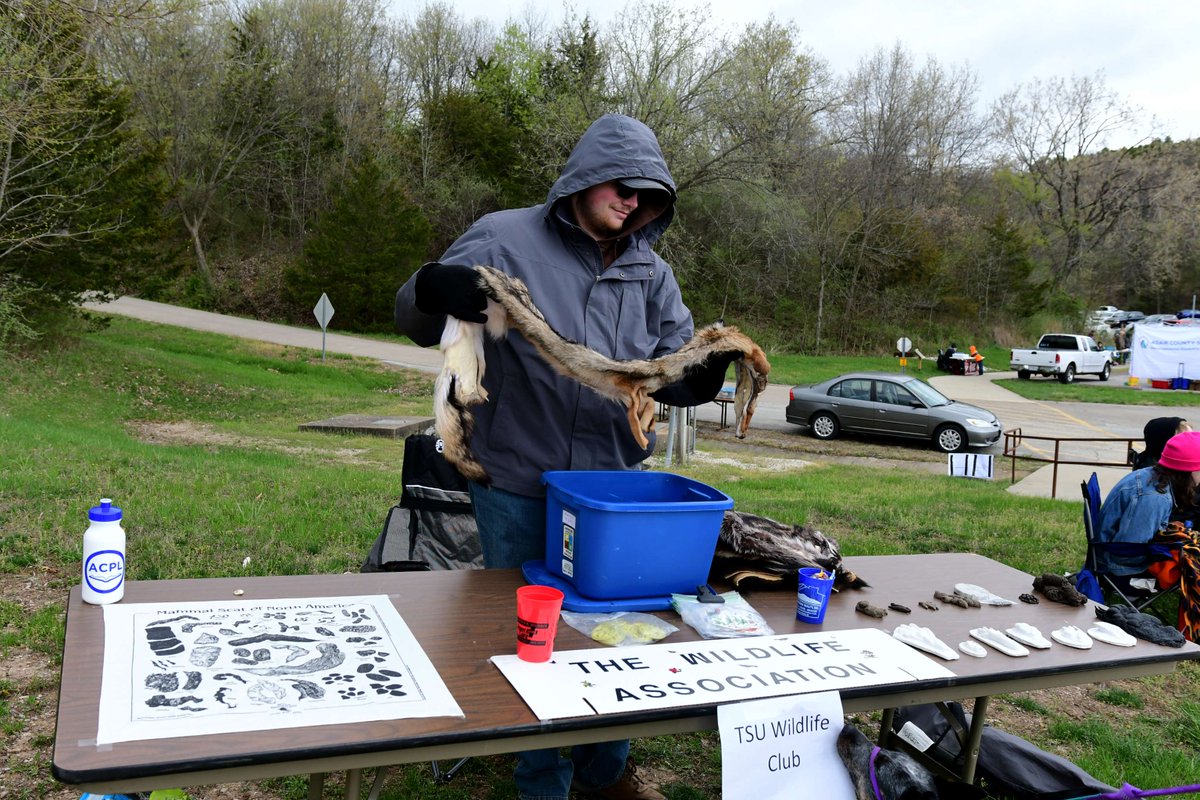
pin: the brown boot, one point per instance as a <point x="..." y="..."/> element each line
<point x="629" y="786"/>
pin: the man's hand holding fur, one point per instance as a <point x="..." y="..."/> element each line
<point x="450" y="289"/>
<point x="700" y="384"/>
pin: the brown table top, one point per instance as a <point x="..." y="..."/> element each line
<point x="462" y="618"/>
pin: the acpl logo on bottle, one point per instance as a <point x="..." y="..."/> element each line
<point x="104" y="570"/>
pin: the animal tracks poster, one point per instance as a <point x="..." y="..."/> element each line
<point x="187" y="669"/>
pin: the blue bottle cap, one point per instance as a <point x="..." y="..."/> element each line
<point x="105" y="512"/>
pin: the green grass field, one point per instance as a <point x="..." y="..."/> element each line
<point x="195" y="436"/>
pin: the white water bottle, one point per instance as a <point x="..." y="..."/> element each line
<point x="104" y="555"/>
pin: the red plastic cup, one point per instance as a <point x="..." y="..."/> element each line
<point x="537" y="621"/>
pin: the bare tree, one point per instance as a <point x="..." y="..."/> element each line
<point x="197" y="93"/>
<point x="899" y="137"/>
<point x="763" y="114"/>
<point x="1055" y="134"/>
<point x="330" y="67"/>
<point x="437" y="50"/>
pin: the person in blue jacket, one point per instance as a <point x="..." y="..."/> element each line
<point x="1142" y="502"/>
<point x="587" y="257"/>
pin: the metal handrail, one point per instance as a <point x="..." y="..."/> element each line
<point x="1014" y="437"/>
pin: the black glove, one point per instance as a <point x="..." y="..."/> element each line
<point x="450" y="289"/>
<point x="700" y="384"/>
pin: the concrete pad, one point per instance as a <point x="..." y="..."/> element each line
<point x="393" y="427"/>
<point x="1040" y="482"/>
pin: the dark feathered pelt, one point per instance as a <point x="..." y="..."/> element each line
<point x="756" y="548"/>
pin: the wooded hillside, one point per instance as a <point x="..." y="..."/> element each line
<point x="247" y="156"/>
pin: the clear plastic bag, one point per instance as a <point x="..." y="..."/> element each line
<point x="728" y="620"/>
<point x="620" y="627"/>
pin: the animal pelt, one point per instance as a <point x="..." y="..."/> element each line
<point x="898" y="774"/>
<point x="756" y="549"/>
<point x="459" y="386"/>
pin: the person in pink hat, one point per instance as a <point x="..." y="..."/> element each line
<point x="1142" y="502"/>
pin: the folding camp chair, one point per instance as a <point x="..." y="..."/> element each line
<point x="1118" y="586"/>
<point x="432" y="527"/>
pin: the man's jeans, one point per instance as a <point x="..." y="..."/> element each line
<point x="512" y="530"/>
<point x="512" y="527"/>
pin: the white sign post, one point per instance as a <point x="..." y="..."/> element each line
<point x="903" y="345"/>
<point x="783" y="749"/>
<point x="323" y="312"/>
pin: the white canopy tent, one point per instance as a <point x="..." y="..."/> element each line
<point x="1161" y="352"/>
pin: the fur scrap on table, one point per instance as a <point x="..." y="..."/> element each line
<point x="754" y="549"/>
<point x="459" y="385"/>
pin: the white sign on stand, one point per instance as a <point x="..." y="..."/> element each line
<point x="782" y="750"/>
<point x="970" y="465"/>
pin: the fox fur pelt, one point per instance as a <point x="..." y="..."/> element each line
<point x="756" y="548"/>
<point x="459" y="386"/>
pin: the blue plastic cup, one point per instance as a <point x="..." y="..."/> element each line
<point x="814" y="585"/>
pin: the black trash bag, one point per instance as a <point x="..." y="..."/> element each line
<point x="1009" y="765"/>
<point x="433" y="525"/>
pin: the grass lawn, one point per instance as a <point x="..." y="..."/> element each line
<point x="195" y="436"/>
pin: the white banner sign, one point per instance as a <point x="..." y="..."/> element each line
<point x="783" y="750"/>
<point x="1159" y="352"/>
<point x="609" y="680"/>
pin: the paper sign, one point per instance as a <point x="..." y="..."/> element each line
<point x="969" y="465"/>
<point x="195" y="668"/>
<point x="612" y="680"/>
<point x="783" y="750"/>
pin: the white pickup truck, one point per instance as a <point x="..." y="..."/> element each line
<point x="1064" y="355"/>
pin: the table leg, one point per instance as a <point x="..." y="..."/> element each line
<point x="968" y="742"/>
<point x="974" y="737"/>
<point x="353" y="784"/>
<point x="316" y="786"/>
<point x="885" y="727"/>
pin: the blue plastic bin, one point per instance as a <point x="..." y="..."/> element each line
<point x="618" y="534"/>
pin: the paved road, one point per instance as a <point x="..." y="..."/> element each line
<point x="1034" y="418"/>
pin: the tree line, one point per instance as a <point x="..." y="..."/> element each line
<point x="248" y="155"/>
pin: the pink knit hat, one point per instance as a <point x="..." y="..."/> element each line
<point x="1182" y="452"/>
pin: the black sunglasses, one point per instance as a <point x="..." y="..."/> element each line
<point x="649" y="196"/>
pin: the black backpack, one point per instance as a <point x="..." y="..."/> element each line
<point x="433" y="525"/>
<point x="1008" y="765"/>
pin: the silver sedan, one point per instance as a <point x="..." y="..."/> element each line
<point x="892" y="405"/>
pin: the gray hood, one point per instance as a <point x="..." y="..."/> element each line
<point x="616" y="146"/>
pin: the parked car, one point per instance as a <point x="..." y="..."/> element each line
<point x="891" y="405"/>
<point x="1128" y="317"/>
<point x="1105" y="312"/>
<point x="1160" y="319"/>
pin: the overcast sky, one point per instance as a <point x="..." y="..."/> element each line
<point x="1149" y="52"/>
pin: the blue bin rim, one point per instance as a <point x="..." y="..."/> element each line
<point x="554" y="478"/>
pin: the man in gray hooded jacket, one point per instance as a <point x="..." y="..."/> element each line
<point x="586" y="257"/>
